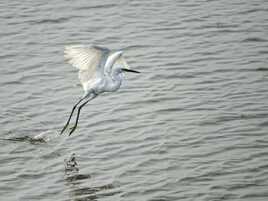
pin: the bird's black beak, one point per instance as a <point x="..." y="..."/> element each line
<point x="129" y="70"/>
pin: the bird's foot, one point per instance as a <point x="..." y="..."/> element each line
<point x="63" y="129"/>
<point x="72" y="130"/>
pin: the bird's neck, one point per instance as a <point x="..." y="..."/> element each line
<point x="116" y="80"/>
<point x="113" y="74"/>
<point x="108" y="67"/>
<point x="116" y="75"/>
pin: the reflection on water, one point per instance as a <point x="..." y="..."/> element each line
<point x="80" y="193"/>
<point x="192" y="126"/>
<point x="76" y="183"/>
<point x="29" y="139"/>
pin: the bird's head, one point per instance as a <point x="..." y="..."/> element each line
<point x="124" y="67"/>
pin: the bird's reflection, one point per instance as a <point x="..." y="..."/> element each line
<point x="75" y="180"/>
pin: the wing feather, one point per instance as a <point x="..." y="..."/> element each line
<point x="87" y="60"/>
<point x="83" y="57"/>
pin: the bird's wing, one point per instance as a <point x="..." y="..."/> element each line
<point x="83" y="57"/>
<point x="88" y="60"/>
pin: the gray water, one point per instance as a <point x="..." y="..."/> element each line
<point x="192" y="126"/>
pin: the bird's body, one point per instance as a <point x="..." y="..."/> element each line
<point x="100" y="70"/>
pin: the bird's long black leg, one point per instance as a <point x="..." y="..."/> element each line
<point x="69" y="119"/>
<point x="78" y="113"/>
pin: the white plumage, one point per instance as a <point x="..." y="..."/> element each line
<point x="88" y="59"/>
<point x="100" y="70"/>
<point x="82" y="57"/>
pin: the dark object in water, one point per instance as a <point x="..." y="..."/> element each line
<point x="26" y="139"/>
<point x="71" y="164"/>
<point x="71" y="170"/>
<point x="77" y="177"/>
<point x="262" y="69"/>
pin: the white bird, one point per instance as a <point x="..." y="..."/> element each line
<point x="100" y="70"/>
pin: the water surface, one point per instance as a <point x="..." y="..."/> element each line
<point x="192" y="126"/>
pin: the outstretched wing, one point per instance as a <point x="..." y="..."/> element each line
<point x="83" y="57"/>
<point x="88" y="60"/>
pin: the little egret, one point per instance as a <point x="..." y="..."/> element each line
<point x="100" y="70"/>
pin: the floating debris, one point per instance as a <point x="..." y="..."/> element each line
<point x="71" y="164"/>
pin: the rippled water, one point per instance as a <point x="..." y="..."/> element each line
<point x="192" y="126"/>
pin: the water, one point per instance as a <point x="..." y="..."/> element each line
<point x="192" y="126"/>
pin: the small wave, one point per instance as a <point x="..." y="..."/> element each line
<point x="40" y="138"/>
<point x="262" y="69"/>
<point x="50" y="21"/>
<point x="97" y="7"/>
<point x="25" y="139"/>
<point x="254" y="39"/>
